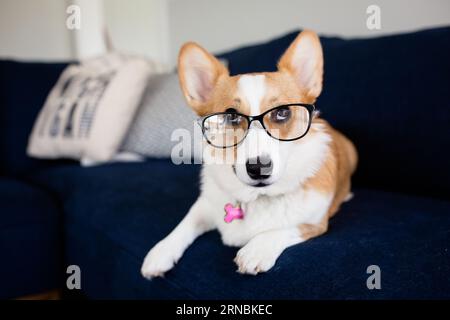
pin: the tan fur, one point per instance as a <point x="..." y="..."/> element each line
<point x="280" y="90"/>
<point x="308" y="231"/>
<point x="333" y="177"/>
<point x="310" y="87"/>
<point x="218" y="72"/>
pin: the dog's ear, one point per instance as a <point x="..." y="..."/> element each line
<point x="198" y="72"/>
<point x="304" y="61"/>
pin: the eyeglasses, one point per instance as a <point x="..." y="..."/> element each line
<point x="287" y="122"/>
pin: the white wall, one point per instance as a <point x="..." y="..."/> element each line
<point x="89" y="38"/>
<point x="139" y="26"/>
<point x="220" y="24"/>
<point x="36" y="29"/>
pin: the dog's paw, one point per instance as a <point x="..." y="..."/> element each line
<point x="256" y="257"/>
<point x="160" y="259"/>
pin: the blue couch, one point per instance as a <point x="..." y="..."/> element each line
<point x="390" y="95"/>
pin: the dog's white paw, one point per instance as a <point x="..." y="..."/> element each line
<point x="160" y="259"/>
<point x="255" y="257"/>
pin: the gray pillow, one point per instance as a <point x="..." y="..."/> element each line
<point x="163" y="110"/>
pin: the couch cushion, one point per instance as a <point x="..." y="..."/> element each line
<point x="29" y="240"/>
<point x="23" y="89"/>
<point x="116" y="213"/>
<point x="390" y="95"/>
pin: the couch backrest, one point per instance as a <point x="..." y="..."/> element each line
<point x="390" y="95"/>
<point x="23" y="90"/>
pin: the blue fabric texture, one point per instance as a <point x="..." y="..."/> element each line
<point x="30" y="240"/>
<point x="388" y="94"/>
<point x="23" y="90"/>
<point x="408" y="237"/>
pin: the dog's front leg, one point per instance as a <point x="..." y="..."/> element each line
<point x="263" y="250"/>
<point x="163" y="256"/>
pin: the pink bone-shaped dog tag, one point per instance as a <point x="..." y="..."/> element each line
<point x="232" y="213"/>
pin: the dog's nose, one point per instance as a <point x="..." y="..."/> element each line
<point x="259" y="168"/>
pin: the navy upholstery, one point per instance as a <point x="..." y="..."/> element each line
<point x="30" y="240"/>
<point x="388" y="94"/>
<point x="408" y="237"/>
<point x="23" y="90"/>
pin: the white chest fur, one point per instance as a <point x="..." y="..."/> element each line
<point x="266" y="213"/>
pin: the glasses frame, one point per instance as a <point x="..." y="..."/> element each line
<point x="259" y="118"/>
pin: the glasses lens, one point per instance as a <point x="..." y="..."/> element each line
<point x="225" y="130"/>
<point x="287" y="122"/>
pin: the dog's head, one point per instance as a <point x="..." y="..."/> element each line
<point x="259" y="159"/>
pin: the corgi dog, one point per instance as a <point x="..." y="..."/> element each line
<point x="289" y="171"/>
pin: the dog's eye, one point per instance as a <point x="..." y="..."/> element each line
<point x="232" y="118"/>
<point x="280" y="115"/>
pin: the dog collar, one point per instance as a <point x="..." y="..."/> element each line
<point x="233" y="212"/>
